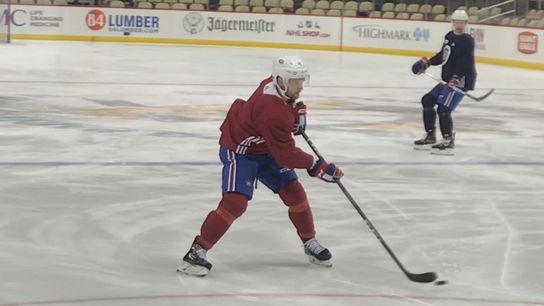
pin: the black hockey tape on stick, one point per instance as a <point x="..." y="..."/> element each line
<point x="427" y="277"/>
<point x="477" y="99"/>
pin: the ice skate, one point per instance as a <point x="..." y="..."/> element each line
<point x="317" y="254"/>
<point x="446" y="147"/>
<point x="194" y="262"/>
<point x="425" y="143"/>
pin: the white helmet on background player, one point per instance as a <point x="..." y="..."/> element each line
<point x="459" y="15"/>
<point x="288" y="67"/>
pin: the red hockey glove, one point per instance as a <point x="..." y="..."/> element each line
<point x="299" y="111"/>
<point x="330" y="173"/>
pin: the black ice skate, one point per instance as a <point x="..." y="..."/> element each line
<point x="317" y="254"/>
<point x="446" y="147"/>
<point x="426" y="142"/>
<point x="194" y="262"/>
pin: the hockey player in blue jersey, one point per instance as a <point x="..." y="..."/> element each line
<point x="458" y="70"/>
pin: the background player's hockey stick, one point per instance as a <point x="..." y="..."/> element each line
<point x="421" y="278"/>
<point x="478" y="99"/>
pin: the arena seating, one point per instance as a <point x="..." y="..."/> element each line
<point x="405" y="9"/>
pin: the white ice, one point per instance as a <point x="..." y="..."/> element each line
<point x="108" y="162"/>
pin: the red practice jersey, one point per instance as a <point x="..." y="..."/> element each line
<point x="264" y="125"/>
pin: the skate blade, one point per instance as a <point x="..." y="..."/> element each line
<point x="324" y="263"/>
<point x="423" y="147"/>
<point x="443" y="152"/>
<point x="194" y="270"/>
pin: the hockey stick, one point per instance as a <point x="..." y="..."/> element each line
<point x="477" y="99"/>
<point x="420" y="278"/>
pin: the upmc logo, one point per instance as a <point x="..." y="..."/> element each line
<point x="95" y="20"/>
<point x="16" y="17"/>
<point x="527" y="42"/>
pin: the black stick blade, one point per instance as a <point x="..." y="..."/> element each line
<point x="428" y="277"/>
<point x="486" y="95"/>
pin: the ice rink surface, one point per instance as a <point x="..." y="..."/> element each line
<point x="108" y="162"/>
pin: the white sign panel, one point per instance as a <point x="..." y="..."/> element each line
<point x="393" y="34"/>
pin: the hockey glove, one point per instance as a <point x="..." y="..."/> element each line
<point x="455" y="81"/>
<point x="299" y="111"/>
<point x="330" y="173"/>
<point x="420" y="66"/>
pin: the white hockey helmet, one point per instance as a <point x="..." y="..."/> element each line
<point x="460" y="15"/>
<point x="288" y="67"/>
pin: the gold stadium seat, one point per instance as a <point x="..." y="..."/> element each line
<point x="317" y="11"/>
<point x="496" y="11"/>
<point x="349" y="13"/>
<point x="523" y="22"/>
<point x="425" y="9"/>
<point x="388" y="7"/>
<point x="400" y="7"/>
<point x="287" y="5"/>
<point x="337" y="5"/>
<point x="271" y="3"/>
<point x="254" y="3"/>
<point x="506" y="21"/>
<point x="258" y="9"/>
<point x="302" y="11"/>
<point x="351" y="5"/>
<point x="197" y="7"/>
<point x="309" y="4"/>
<point x="440" y="17"/>
<point x="413" y="8"/>
<point x="114" y="3"/>
<point x="162" y="6"/>
<point x="388" y="15"/>
<point x="375" y="14"/>
<point x="225" y="8"/>
<point x="472" y="11"/>
<point x="438" y="9"/>
<point x="242" y="8"/>
<point x="366" y="6"/>
<point x="334" y="12"/>
<point x="276" y="10"/>
<point x="322" y="4"/>
<point x="403" y="15"/>
<point x="144" y="5"/>
<point x="179" y="6"/>
<point x="416" y="16"/>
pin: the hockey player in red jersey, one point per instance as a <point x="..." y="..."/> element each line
<point x="257" y="143"/>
